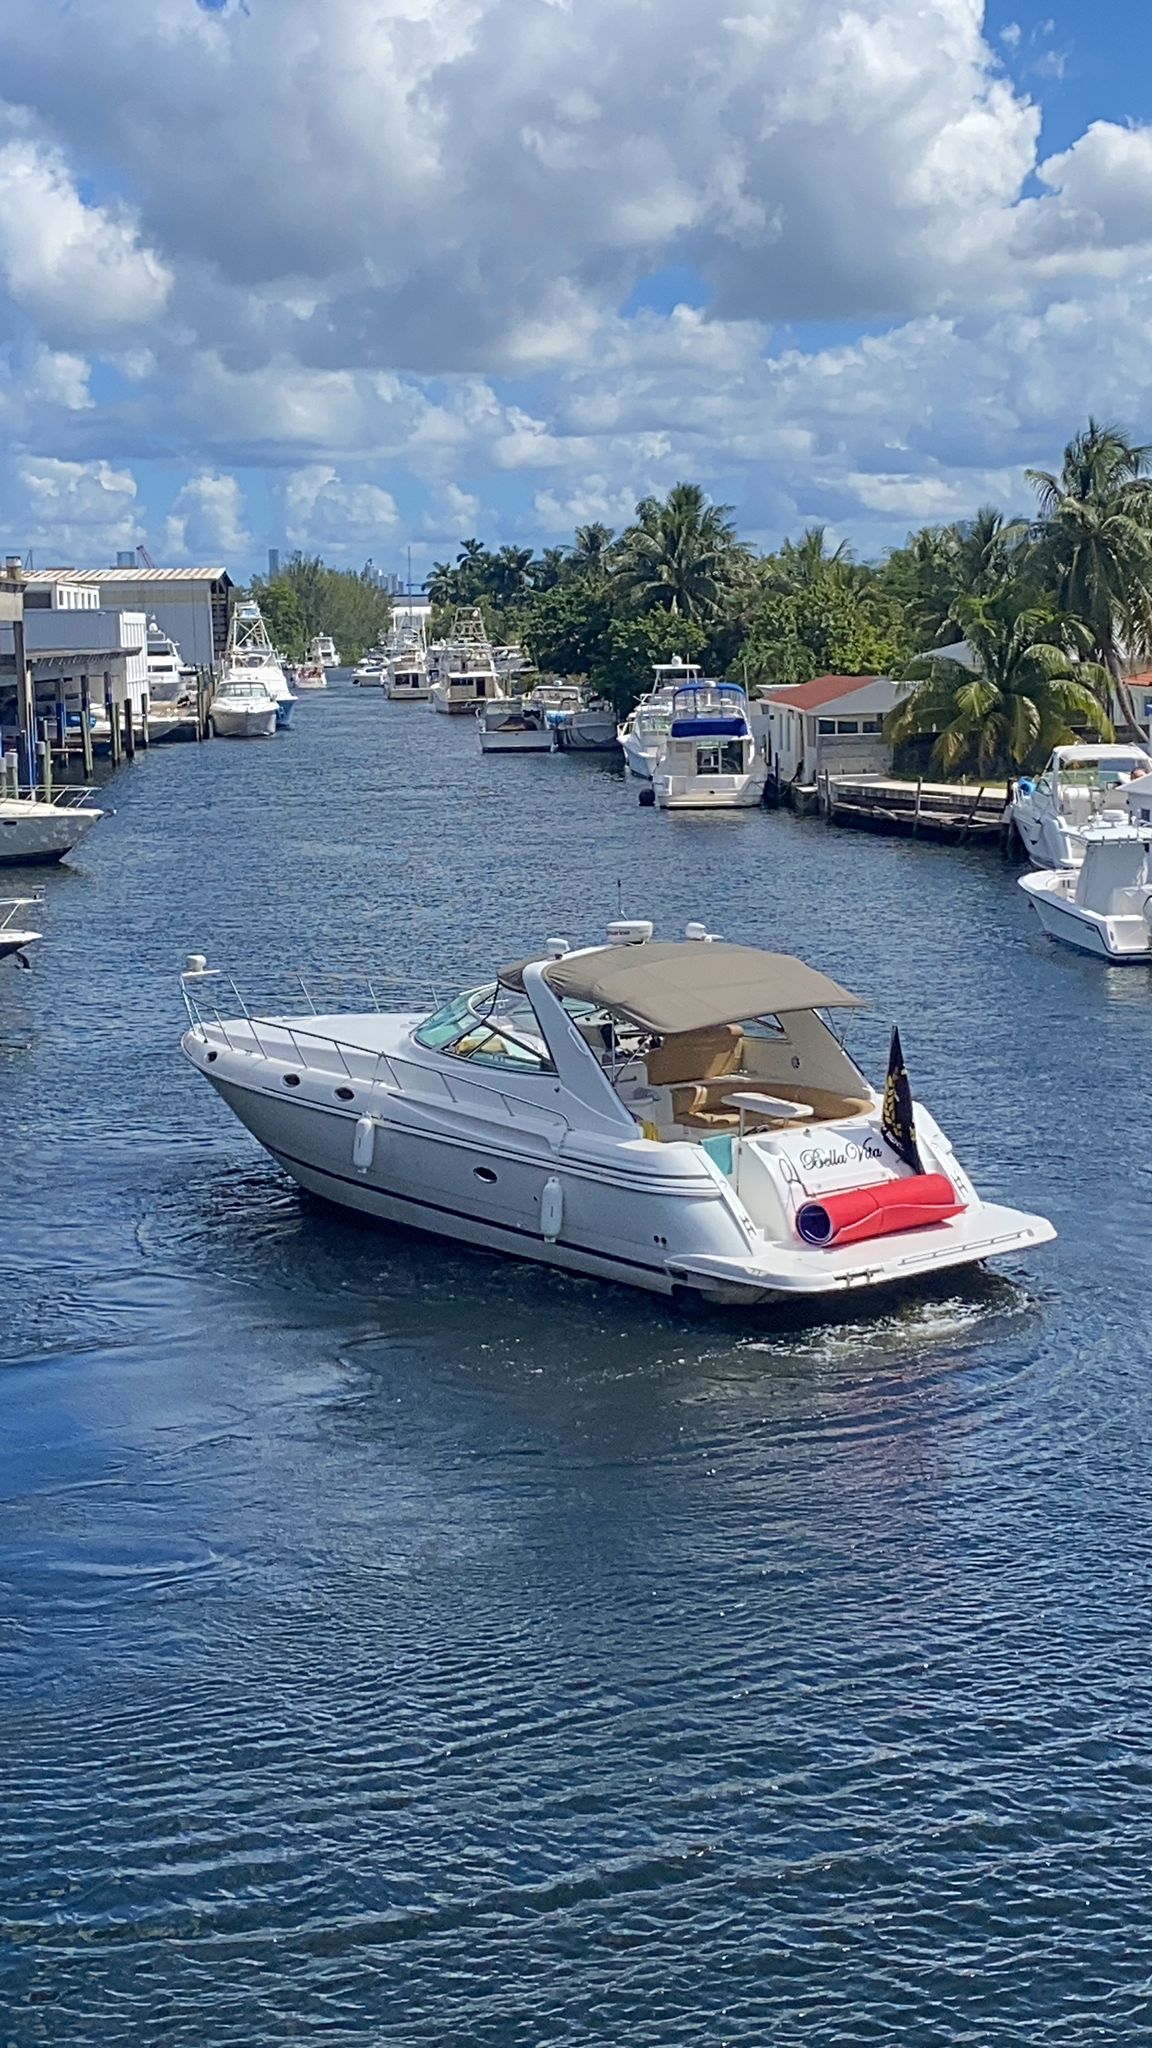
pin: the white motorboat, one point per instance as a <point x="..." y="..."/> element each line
<point x="1078" y="787"/>
<point x="171" y="685"/>
<point x="585" y="727"/>
<point x="514" y="725"/>
<point x="643" y="733"/>
<point x="251" y="658"/>
<point x="461" y="672"/>
<point x="372" y="672"/>
<point x="709" y="760"/>
<point x="243" y="709"/>
<point x="311" y="675"/>
<point x="32" y="831"/>
<point x="406" y="680"/>
<point x="324" y="651"/>
<point x="1103" y="906"/>
<point x="15" y="934"/>
<point x="678" y="1116"/>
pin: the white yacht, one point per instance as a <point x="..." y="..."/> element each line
<point x="1079" y="786"/>
<point x="244" y="709"/>
<point x="311" y="675"/>
<point x="406" y="678"/>
<point x="32" y="831"/>
<point x="324" y="651"/>
<point x="461" y="672"/>
<point x="15" y="935"/>
<point x="372" y="672"/>
<point x="709" y="760"/>
<point x="643" y="733"/>
<point x="251" y="658"/>
<point x="171" y="687"/>
<point x="677" y="1115"/>
<point x="514" y="725"/>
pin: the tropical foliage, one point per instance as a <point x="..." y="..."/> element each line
<point x="1022" y="690"/>
<point x="307" y="598"/>
<point x="1055" y="605"/>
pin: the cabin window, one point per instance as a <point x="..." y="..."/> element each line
<point x="490" y="1027"/>
<point x="720" y="757"/>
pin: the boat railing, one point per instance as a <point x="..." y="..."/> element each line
<point x="9" y="905"/>
<point x="216" y="1007"/>
<point x="65" y="796"/>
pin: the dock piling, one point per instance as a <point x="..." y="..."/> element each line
<point x="86" y="725"/>
<point x="129" y="731"/>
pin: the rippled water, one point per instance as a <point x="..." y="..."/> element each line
<point x="403" y="1646"/>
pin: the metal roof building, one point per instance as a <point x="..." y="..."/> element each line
<point x="190" y="606"/>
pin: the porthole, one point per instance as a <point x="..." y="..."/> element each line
<point x="485" y="1174"/>
<point x="346" y="1095"/>
<point x="212" y="1056"/>
<point x="291" y="1080"/>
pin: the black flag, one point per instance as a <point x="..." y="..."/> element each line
<point x="897" y="1122"/>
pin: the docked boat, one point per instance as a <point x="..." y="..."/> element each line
<point x="372" y="672"/>
<point x="679" y="1116"/>
<point x="171" y="686"/>
<point x="16" y="936"/>
<point x="514" y="725"/>
<point x="709" y="760"/>
<point x="1079" y="786"/>
<point x="244" y="709"/>
<point x="33" y="831"/>
<point x="461" y="672"/>
<point x="251" y="658"/>
<point x="406" y="680"/>
<point x="586" y="727"/>
<point x="1103" y="905"/>
<point x="643" y="733"/>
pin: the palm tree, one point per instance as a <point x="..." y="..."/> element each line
<point x="590" y="548"/>
<point x="806" y="564"/>
<point x="1095" y="532"/>
<point x="680" y="555"/>
<point x="1027" y="695"/>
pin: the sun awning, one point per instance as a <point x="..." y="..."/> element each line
<point x="687" y="985"/>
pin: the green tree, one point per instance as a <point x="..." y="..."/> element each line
<point x="681" y="556"/>
<point x="591" y="548"/>
<point x="633" y="646"/>
<point x="825" y="628"/>
<point x="1028" y="694"/>
<point x="283" y="615"/>
<point x="346" y="603"/>
<point x="1095" y="533"/>
<point x="566" y="628"/>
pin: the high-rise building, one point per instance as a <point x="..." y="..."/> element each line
<point x="273" y="561"/>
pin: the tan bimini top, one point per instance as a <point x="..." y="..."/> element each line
<point x="686" y="985"/>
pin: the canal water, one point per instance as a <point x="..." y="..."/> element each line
<point x="403" y="1646"/>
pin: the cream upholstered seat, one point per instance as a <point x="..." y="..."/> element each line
<point x="698" y="1068"/>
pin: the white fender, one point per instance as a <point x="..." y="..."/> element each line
<point x="551" y="1209"/>
<point x="364" y="1143"/>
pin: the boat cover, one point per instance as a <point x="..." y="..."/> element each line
<point x="685" y="985"/>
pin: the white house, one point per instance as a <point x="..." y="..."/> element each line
<point x="833" y="723"/>
<point x="190" y="606"/>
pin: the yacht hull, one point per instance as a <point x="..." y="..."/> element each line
<point x="521" y="742"/>
<point x="232" y="724"/>
<point x="708" y="793"/>
<point x="662" y="1218"/>
<point x="32" y="834"/>
<point x="587" y="733"/>
<point x="1122" y="940"/>
<point x="284" y="709"/>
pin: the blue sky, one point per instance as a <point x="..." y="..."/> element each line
<point x="503" y="266"/>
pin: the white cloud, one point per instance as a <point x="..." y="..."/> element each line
<point x="62" y="379"/>
<point x="207" y="519"/>
<point x="85" y="510"/>
<point x="322" y="512"/>
<point x="75" y="268"/>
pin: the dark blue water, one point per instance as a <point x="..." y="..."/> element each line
<point x="401" y="1646"/>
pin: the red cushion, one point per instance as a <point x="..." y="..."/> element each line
<point x="878" y="1212"/>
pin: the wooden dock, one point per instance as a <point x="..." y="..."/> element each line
<point x="954" y="811"/>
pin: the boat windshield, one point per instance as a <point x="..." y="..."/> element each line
<point x="492" y="1027"/>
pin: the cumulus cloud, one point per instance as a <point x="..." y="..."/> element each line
<point x="324" y="512"/>
<point x="76" y="269"/>
<point x="87" y="509"/>
<point x="423" y="257"/>
<point x="207" y="519"/>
